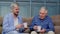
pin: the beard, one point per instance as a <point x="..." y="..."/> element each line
<point x="16" y="14"/>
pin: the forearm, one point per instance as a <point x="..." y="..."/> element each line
<point x="7" y="29"/>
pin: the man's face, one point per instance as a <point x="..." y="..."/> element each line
<point x="43" y="13"/>
<point x="16" y="10"/>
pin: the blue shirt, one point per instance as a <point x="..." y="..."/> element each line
<point x="8" y="23"/>
<point x="45" y="23"/>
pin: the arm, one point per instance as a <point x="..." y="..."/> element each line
<point x="21" y="22"/>
<point x="50" y="25"/>
<point x="33" y="24"/>
<point x="6" y="26"/>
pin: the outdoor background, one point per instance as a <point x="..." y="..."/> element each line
<point x="30" y="8"/>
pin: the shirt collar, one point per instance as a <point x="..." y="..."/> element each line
<point x="12" y="15"/>
<point x="42" y="19"/>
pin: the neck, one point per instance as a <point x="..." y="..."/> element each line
<point x="14" y="15"/>
<point x="41" y="17"/>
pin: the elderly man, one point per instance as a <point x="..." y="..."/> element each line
<point x="12" y="23"/>
<point x="42" y="23"/>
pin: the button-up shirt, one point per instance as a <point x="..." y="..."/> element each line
<point x="8" y="23"/>
<point x="45" y="23"/>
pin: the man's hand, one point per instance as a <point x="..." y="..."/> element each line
<point x="35" y="27"/>
<point x="19" y="26"/>
<point x="43" y="30"/>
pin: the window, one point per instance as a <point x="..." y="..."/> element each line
<point x="30" y="8"/>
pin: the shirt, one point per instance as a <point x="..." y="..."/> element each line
<point x="8" y="23"/>
<point x="45" y="23"/>
<point x="15" y="21"/>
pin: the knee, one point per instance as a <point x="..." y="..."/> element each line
<point x="51" y="32"/>
<point x="33" y="32"/>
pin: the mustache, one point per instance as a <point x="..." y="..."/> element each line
<point x="17" y="11"/>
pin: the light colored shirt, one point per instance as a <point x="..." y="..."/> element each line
<point x="15" y="21"/>
<point x="8" y="23"/>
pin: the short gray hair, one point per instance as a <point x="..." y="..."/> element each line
<point x="13" y="4"/>
<point x="43" y="8"/>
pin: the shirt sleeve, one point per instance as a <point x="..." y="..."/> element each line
<point x="33" y="23"/>
<point x="50" y="25"/>
<point x="6" y="27"/>
<point x="21" y="22"/>
<point x="20" y="19"/>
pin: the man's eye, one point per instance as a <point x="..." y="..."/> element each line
<point x="16" y="9"/>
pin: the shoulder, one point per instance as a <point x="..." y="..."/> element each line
<point x="8" y="15"/>
<point x="20" y="17"/>
<point x="48" y="17"/>
<point x="36" y="17"/>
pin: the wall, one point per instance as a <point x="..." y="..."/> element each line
<point x="30" y="8"/>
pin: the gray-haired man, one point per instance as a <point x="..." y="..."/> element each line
<point x="12" y="23"/>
